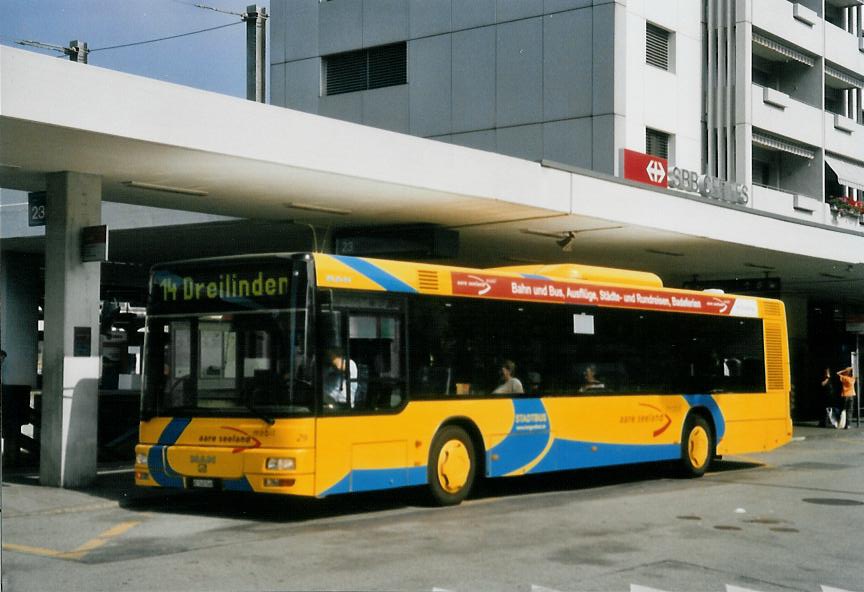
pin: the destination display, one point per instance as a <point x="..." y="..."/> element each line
<point x="250" y="286"/>
<point x="548" y="290"/>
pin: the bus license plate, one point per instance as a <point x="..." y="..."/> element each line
<point x="203" y="483"/>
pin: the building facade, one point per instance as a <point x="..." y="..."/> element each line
<point x="764" y="93"/>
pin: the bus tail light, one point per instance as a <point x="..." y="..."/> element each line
<point x="281" y="464"/>
<point x="142" y="476"/>
<point x="271" y="482"/>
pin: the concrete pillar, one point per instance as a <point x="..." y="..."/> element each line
<point x="71" y="360"/>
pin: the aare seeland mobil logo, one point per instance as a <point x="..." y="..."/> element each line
<point x="240" y="438"/>
<point x="656" y="416"/>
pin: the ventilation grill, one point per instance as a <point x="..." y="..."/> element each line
<point x="656" y="46"/>
<point x="366" y="69"/>
<point x="387" y="66"/>
<point x="427" y="280"/>
<point x="772" y="309"/>
<point x="774" y="355"/>
<point x="657" y="143"/>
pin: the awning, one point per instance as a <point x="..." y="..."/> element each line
<point x="844" y="78"/>
<point x="848" y="173"/>
<point x="775" y="143"/>
<point x="783" y="50"/>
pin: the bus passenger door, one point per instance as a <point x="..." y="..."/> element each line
<point x="361" y="445"/>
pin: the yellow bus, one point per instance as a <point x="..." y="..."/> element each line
<point x="313" y="374"/>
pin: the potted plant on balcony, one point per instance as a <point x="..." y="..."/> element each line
<point x="847" y="206"/>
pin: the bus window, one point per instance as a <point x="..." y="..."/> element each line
<point x="366" y="373"/>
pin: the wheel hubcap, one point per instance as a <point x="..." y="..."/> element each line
<point x="454" y="465"/>
<point x="698" y="447"/>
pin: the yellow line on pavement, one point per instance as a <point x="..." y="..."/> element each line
<point x="81" y="551"/>
<point x="100" y="540"/>
<point x="32" y="550"/>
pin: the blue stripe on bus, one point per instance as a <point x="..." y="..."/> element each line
<point x="172" y="431"/>
<point x="372" y="479"/>
<point x="384" y="279"/>
<point x="161" y="473"/>
<point x="572" y="454"/>
<point x="711" y="405"/>
<point x="528" y="438"/>
<point x="241" y="484"/>
<point x="534" y="276"/>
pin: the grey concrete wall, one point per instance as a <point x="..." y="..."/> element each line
<point x="528" y="78"/>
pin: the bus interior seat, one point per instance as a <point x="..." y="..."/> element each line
<point x="435" y="379"/>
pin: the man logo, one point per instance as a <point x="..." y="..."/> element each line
<point x="655" y="171"/>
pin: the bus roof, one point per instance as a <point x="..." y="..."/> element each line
<point x="561" y="283"/>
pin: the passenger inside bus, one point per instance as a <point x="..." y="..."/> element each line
<point x="336" y="387"/>
<point x="590" y="380"/>
<point x="510" y="385"/>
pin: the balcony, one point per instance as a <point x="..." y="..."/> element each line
<point x="782" y="115"/>
<point x="844" y="49"/>
<point x="777" y="201"/>
<point x="843" y="136"/>
<point x="791" y="22"/>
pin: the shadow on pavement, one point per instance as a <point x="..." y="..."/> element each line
<point x="117" y="484"/>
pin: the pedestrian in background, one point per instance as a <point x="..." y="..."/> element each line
<point x="847" y="394"/>
<point x="829" y="400"/>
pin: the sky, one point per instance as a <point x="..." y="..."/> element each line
<point x="213" y="61"/>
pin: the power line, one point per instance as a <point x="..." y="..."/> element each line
<point x="205" y="7"/>
<point x="166" y="38"/>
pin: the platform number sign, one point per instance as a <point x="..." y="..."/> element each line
<point x="36" y="212"/>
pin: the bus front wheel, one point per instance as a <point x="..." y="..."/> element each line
<point x="697" y="446"/>
<point x="452" y="466"/>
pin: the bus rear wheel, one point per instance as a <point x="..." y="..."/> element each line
<point x="697" y="446"/>
<point x="452" y="467"/>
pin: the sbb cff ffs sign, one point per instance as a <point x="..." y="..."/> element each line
<point x="645" y="168"/>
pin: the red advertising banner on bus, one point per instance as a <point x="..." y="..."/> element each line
<point x="547" y="290"/>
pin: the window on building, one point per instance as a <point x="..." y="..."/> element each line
<point x="835" y="100"/>
<point x="657" y="143"/>
<point x="366" y="69"/>
<point x="657" y="46"/>
<point x="765" y="72"/>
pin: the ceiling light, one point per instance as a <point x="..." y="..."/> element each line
<point x="757" y="266"/>
<point x="165" y="188"/>
<point x="317" y="208"/>
<point x="6" y="165"/>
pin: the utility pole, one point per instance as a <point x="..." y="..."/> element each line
<point x="256" y="49"/>
<point x="77" y="51"/>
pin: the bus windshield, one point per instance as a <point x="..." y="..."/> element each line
<point x="227" y="355"/>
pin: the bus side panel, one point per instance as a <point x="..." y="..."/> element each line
<point x="366" y="452"/>
<point x="755" y="422"/>
<point x="612" y="430"/>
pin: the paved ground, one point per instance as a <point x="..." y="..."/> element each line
<point x="788" y="520"/>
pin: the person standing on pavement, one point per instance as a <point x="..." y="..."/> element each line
<point x="847" y="394"/>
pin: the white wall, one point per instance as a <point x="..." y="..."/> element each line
<point x="667" y="101"/>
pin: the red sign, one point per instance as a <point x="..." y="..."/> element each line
<point x="645" y="168"/>
<point x="543" y="290"/>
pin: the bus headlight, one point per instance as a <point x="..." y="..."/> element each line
<point x="281" y="464"/>
<point x="140" y="459"/>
